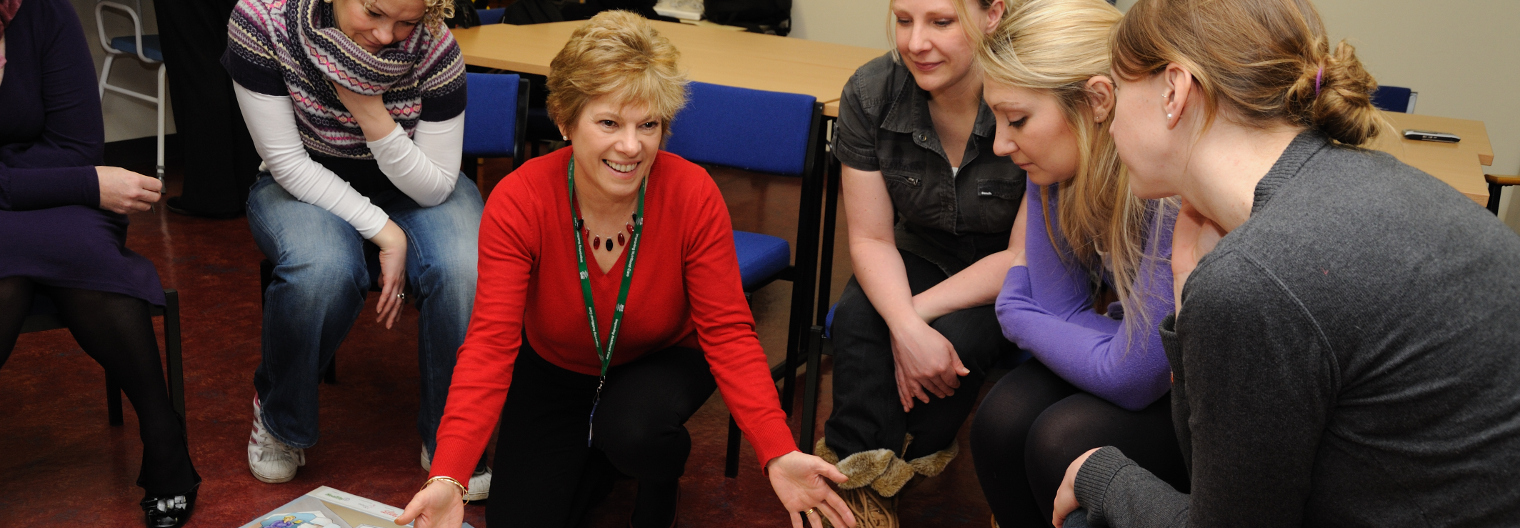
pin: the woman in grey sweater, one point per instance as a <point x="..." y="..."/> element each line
<point x="1344" y="348"/>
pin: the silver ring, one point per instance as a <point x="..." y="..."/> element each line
<point x="401" y="296"/>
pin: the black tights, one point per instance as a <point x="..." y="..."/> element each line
<point x="1033" y="424"/>
<point x="116" y="331"/>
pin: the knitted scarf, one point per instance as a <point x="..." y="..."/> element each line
<point x="299" y="39"/>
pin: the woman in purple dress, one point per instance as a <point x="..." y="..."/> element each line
<point x="63" y="229"/>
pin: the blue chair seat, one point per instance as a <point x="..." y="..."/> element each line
<point x="128" y="44"/>
<point x="761" y="257"/>
<point x="1393" y="99"/>
<point x="491" y="16"/>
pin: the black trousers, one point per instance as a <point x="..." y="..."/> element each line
<point x="546" y="476"/>
<point x="220" y="161"/>
<point x="867" y="414"/>
<point x="1033" y="424"/>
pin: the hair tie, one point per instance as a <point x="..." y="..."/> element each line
<point x="1318" y="76"/>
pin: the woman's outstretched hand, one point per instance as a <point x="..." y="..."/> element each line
<point x="802" y="483"/>
<point x="437" y="506"/>
<point x="124" y="192"/>
<point x="392" y="242"/>
<point x="1193" y="237"/>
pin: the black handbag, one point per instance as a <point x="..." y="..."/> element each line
<point x="464" y="15"/>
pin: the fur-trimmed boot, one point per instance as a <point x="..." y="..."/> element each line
<point x="877" y="476"/>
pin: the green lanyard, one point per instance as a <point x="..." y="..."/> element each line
<point x="605" y="354"/>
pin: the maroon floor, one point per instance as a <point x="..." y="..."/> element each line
<point x="62" y="464"/>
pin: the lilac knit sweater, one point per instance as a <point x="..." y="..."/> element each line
<point x="1046" y="308"/>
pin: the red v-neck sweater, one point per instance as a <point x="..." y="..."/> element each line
<point x="686" y="291"/>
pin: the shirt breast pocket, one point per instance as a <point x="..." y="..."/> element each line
<point x="905" y="184"/>
<point x="997" y="203"/>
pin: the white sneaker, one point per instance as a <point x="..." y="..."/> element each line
<point x="480" y="486"/>
<point x="480" y="483"/>
<point x="269" y="459"/>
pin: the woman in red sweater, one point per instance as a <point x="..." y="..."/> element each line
<point x="571" y="240"/>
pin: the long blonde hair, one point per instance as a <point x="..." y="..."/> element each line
<point x="1055" y="47"/>
<point x="1268" y="61"/>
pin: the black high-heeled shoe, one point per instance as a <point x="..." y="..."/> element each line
<point x="168" y="512"/>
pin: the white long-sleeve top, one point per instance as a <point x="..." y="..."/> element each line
<point x="424" y="166"/>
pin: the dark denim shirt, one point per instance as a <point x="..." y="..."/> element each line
<point x="951" y="219"/>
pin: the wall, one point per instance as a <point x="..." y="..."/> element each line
<point x="126" y="117"/>
<point x="1462" y="57"/>
<point x="853" y="22"/>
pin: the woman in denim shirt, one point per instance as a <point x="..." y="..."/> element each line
<point x="932" y="214"/>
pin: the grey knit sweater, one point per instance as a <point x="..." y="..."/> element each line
<point x="1350" y="356"/>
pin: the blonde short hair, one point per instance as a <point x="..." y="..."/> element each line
<point x="437" y="11"/>
<point x="616" y="54"/>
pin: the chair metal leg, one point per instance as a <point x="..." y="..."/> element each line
<point x="810" y="390"/>
<point x="160" y="101"/>
<point x="105" y="73"/>
<point x="731" y="463"/>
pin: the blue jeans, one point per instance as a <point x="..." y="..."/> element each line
<point x="321" y="279"/>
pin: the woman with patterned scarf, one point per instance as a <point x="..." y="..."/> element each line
<point x="357" y="109"/>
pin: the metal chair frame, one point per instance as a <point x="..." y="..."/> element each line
<point x="111" y="53"/>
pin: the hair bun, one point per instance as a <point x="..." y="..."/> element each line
<point x="1342" y="108"/>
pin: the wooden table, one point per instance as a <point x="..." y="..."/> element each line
<point x="710" y="55"/>
<point x="1460" y="164"/>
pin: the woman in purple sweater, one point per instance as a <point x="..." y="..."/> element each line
<point x="1095" y="379"/>
<point x="63" y="230"/>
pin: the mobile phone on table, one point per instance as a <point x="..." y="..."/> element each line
<point x="1427" y="135"/>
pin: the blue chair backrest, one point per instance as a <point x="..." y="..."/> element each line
<point x="1392" y="98"/>
<point x="491" y="115"/>
<point x="491" y="16"/>
<point x="747" y="129"/>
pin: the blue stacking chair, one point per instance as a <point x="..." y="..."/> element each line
<point x="144" y="48"/>
<point x="1395" y="99"/>
<point x="775" y="133"/>
<point x="494" y="117"/>
<point x="491" y="16"/>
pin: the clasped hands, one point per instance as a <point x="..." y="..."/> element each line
<point x="926" y="363"/>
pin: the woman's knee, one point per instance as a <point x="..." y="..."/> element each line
<point x="647" y="450"/>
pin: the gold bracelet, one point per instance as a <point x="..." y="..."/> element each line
<point x="450" y="480"/>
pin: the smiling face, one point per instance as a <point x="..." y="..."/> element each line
<point x="933" y="44"/>
<point x="1141" y="135"/>
<point x="375" y="24"/>
<point x="615" y="146"/>
<point x="1032" y="130"/>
